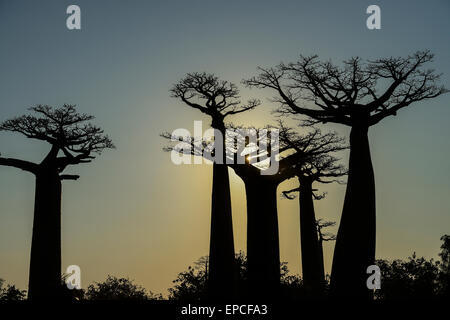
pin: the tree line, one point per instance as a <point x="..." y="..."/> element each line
<point x="413" y="278"/>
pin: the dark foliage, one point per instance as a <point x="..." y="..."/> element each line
<point x="114" y="288"/>
<point x="190" y="285"/>
<point x="11" y="293"/>
<point x="416" y="278"/>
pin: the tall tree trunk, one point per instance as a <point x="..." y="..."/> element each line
<point x="263" y="252"/>
<point x="222" y="271"/>
<point x="45" y="261"/>
<point x="355" y="243"/>
<point x="313" y="274"/>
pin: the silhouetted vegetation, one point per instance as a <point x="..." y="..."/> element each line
<point x="10" y="292"/>
<point x="190" y="285"/>
<point x="416" y="278"/>
<point x="73" y="141"/>
<point x="217" y="99"/>
<point x="413" y="278"/>
<point x="114" y="288"/>
<point x="324" y="236"/>
<point x="304" y="155"/>
<point x="320" y="166"/>
<point x="359" y="95"/>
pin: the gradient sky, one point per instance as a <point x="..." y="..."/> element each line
<point x="133" y="213"/>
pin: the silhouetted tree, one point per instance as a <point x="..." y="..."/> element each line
<point x="68" y="133"/>
<point x="295" y="154"/>
<point x="350" y="96"/>
<point x="416" y="278"/>
<point x="191" y="285"/>
<point x="324" y="236"/>
<point x="322" y="167"/>
<point x="263" y="252"/>
<point x="124" y="289"/>
<point x="217" y="99"/>
<point x="262" y="216"/>
<point x="411" y="279"/>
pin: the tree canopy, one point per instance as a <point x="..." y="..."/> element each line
<point x="65" y="129"/>
<point x="356" y="91"/>
<point x="212" y="96"/>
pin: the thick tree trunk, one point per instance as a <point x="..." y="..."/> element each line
<point x="355" y="243"/>
<point x="222" y="271"/>
<point x="45" y="262"/>
<point x="263" y="252"/>
<point x="313" y="275"/>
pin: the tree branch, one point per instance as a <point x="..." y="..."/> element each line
<point x="69" y="177"/>
<point x="20" y="164"/>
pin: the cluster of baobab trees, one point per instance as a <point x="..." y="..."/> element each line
<point x="73" y="140"/>
<point x="357" y="94"/>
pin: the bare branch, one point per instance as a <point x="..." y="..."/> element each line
<point x="212" y="96"/>
<point x="325" y="236"/>
<point x="287" y="193"/>
<point x="348" y="94"/>
<point x="69" y="177"/>
<point x="20" y="164"/>
<point x="65" y="129"/>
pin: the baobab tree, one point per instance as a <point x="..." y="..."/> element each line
<point x="217" y="99"/>
<point x="263" y="248"/>
<point x="73" y="141"/>
<point x="320" y="167"/>
<point x="359" y="95"/>
<point x="324" y="236"/>
<point x="252" y="152"/>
